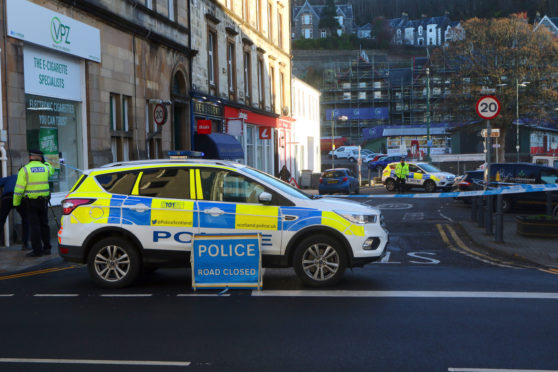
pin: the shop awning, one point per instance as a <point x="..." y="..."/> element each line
<point x="218" y="146"/>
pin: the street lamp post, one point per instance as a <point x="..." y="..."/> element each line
<point x="332" y="140"/>
<point x="517" y="85"/>
<point x="428" y="114"/>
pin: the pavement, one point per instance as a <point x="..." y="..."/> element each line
<point x="536" y="251"/>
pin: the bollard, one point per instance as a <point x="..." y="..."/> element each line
<point x="474" y="209"/>
<point x="480" y="213"/>
<point x="548" y="203"/>
<point x="488" y="215"/>
<point x="499" y="228"/>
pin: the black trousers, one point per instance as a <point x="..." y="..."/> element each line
<point x="37" y="215"/>
<point x="401" y="184"/>
<point x="5" y="208"/>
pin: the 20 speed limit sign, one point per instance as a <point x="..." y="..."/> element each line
<point x="160" y="114"/>
<point x="488" y="107"/>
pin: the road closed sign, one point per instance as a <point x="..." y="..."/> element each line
<point x="226" y="261"/>
<point x="488" y="107"/>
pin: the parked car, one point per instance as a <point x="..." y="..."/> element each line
<point x="342" y="152"/>
<point x="422" y="175"/>
<point x="382" y="162"/>
<point x="516" y="173"/>
<point x="470" y="181"/>
<point x="365" y="155"/>
<point x="338" y="180"/>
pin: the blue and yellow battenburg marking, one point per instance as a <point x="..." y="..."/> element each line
<point x="416" y="176"/>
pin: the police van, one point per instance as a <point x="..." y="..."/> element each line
<point x="123" y="218"/>
<point x="423" y="175"/>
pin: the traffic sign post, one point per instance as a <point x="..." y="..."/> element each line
<point x="488" y="107"/>
<point x="160" y="114"/>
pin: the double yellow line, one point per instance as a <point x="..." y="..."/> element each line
<point x="463" y="248"/>
<point x="36" y="272"/>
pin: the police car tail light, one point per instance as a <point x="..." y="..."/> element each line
<point x="68" y="205"/>
<point x="345" y="179"/>
<point x="464" y="183"/>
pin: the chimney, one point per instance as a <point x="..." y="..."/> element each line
<point x="405" y="16"/>
<point x="423" y="16"/>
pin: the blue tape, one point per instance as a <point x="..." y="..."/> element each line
<point x="516" y="189"/>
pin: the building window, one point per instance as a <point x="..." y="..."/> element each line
<point x="279" y="29"/>
<point x="120" y="131"/>
<point x="420" y="30"/>
<point x="231" y="69"/>
<point x="272" y="87"/>
<point x="228" y="4"/>
<point x="307" y="33"/>
<point x="212" y="67"/>
<point x="172" y="10"/>
<point x="258" y="16"/>
<point x="281" y="91"/>
<point x="247" y="77"/>
<point x="323" y="34"/>
<point x="269" y="21"/>
<point x="246" y="11"/>
<point x="149" y="4"/>
<point x="261" y="85"/>
<point x="306" y="19"/>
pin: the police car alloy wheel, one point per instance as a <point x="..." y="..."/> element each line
<point x="113" y="263"/>
<point x="320" y="261"/>
<point x="429" y="186"/>
<point x="390" y="185"/>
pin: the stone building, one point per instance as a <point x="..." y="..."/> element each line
<point x="81" y="81"/>
<point x="306" y="20"/>
<point x="241" y="81"/>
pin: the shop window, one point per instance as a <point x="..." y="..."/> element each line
<point x="121" y="133"/>
<point x="165" y="183"/>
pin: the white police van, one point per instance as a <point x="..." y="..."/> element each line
<point x="125" y="217"/>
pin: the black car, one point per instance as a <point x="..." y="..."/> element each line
<point x="511" y="174"/>
<point x="471" y="181"/>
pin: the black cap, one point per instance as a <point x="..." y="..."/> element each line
<point x="35" y="153"/>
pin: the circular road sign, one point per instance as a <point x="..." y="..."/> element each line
<point x="160" y="114"/>
<point x="488" y="107"/>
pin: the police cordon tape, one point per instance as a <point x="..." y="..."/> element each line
<point x="517" y="189"/>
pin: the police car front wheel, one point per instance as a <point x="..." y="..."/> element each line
<point x="320" y="261"/>
<point x="113" y="263"/>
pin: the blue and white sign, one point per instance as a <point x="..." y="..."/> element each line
<point x="226" y="261"/>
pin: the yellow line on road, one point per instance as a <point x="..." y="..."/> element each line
<point x="37" y="272"/>
<point x="467" y="249"/>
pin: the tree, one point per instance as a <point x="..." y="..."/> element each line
<point x="328" y="20"/>
<point x="382" y="32"/>
<point x="500" y="54"/>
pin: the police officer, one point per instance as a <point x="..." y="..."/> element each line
<point x="8" y="186"/>
<point x="401" y="172"/>
<point x="32" y="192"/>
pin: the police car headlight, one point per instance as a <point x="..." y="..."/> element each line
<point x="359" y="218"/>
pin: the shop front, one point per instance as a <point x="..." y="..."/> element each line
<point x="54" y="50"/>
<point x="257" y="135"/>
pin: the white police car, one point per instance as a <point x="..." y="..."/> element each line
<point x="125" y="217"/>
<point x="420" y="175"/>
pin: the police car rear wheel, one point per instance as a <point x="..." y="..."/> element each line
<point x="429" y="186"/>
<point x="320" y="262"/>
<point x="113" y="263"/>
<point x="390" y="185"/>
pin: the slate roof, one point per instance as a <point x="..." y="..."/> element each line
<point x="343" y="9"/>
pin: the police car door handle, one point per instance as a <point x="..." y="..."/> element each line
<point x="289" y="218"/>
<point x="214" y="211"/>
<point x="138" y="207"/>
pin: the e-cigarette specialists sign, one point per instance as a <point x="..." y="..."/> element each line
<point x="42" y="26"/>
<point x="51" y="74"/>
<point x="226" y="261"/>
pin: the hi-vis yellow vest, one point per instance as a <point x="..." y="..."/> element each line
<point x="32" y="181"/>
<point x="401" y="171"/>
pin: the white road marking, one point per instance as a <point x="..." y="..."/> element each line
<point x="56" y="295"/>
<point x="408" y="294"/>
<point x="498" y="370"/>
<point x="444" y="216"/>
<point x="202" y="295"/>
<point x="96" y="361"/>
<point x="7" y="295"/>
<point x="127" y="295"/>
<point x="427" y="260"/>
<point x="395" y="206"/>
<point x="413" y="216"/>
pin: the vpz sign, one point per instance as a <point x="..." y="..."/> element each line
<point x="265" y="133"/>
<point x="58" y="31"/>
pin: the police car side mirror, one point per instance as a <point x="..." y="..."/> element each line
<point x="265" y="197"/>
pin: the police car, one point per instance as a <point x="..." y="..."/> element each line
<point x="123" y="218"/>
<point x="420" y="175"/>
